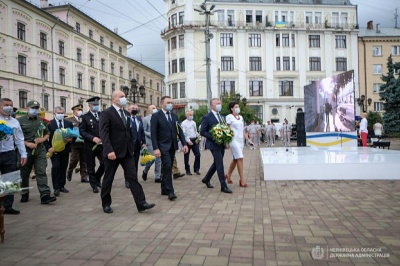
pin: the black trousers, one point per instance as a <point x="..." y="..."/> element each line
<point x="136" y="155"/>
<point x="8" y="164"/>
<point x="94" y="176"/>
<point x="128" y="165"/>
<point x="218" y="165"/>
<point x="196" y="151"/>
<point x="167" y="158"/>
<point x="59" y="167"/>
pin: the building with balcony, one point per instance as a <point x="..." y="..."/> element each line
<point x="266" y="51"/>
<point x="60" y="56"/>
<point x="375" y="45"/>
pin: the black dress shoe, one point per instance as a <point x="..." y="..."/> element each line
<point x="208" y="184"/>
<point x="107" y="209"/>
<point x="226" y="190"/>
<point x="188" y="173"/>
<point x="197" y="173"/>
<point x="64" y="190"/>
<point x="144" y="176"/>
<point x="11" y="211"/>
<point x="85" y="180"/>
<point x="95" y="190"/>
<point x="145" y="206"/>
<point x="176" y="176"/>
<point x="56" y="192"/>
<point x="69" y="177"/>
<point x="24" y="198"/>
<point x="172" y="196"/>
<point x="158" y="180"/>
<point x="126" y="184"/>
<point x="164" y="193"/>
<point x="46" y="199"/>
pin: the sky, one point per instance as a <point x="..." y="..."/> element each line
<point x="141" y="22"/>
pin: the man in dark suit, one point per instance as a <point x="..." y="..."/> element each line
<point x="89" y="130"/>
<point x="138" y="137"/>
<point x="59" y="160"/>
<point x="116" y="135"/>
<point x="165" y="129"/>
<point x="207" y="123"/>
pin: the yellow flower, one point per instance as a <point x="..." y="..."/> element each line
<point x="2" y="122"/>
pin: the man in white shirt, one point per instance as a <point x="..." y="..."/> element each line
<point x="364" y="129"/>
<point x="8" y="155"/>
<point x="190" y="130"/>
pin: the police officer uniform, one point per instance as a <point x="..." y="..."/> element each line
<point x="33" y="128"/>
<point x="89" y="129"/>
<point x="77" y="153"/>
<point x="287" y="131"/>
<point x="269" y="129"/>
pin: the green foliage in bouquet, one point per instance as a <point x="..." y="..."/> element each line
<point x="222" y="134"/>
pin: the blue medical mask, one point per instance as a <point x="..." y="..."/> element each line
<point x="33" y="112"/>
<point x="95" y="108"/>
<point x="168" y="107"/>
<point x="122" y="101"/>
<point x="155" y="111"/>
<point x="237" y="110"/>
<point x="190" y="118"/>
<point x="218" y="107"/>
<point x="8" y="110"/>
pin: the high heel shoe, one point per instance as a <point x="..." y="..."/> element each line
<point x="229" y="181"/>
<point x="242" y="184"/>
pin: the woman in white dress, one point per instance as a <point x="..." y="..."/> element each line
<point x="236" y="123"/>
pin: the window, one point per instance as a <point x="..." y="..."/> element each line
<point x="341" y="64"/>
<point x="293" y="40"/>
<point x="21" y="65"/>
<point x="103" y="86"/>
<point x="340" y="41"/>
<point x="254" y="40"/>
<point x="249" y="16"/>
<point x="130" y="74"/>
<point x="255" y="63"/>
<point x="278" y="63"/>
<point x="293" y="63"/>
<point x="101" y="40"/>
<point x="112" y="68"/>
<point x="377" y="51"/>
<point x="92" y="85"/>
<point x="258" y="16"/>
<point x="228" y="87"/>
<point x="285" y="40"/>
<point x="314" y="41"/>
<point x="120" y="50"/>
<point x="158" y="86"/>
<point x="63" y="102"/>
<point x="315" y="64"/>
<point x="90" y="34"/>
<point x="111" y="45"/>
<point x="79" y="80"/>
<point x="285" y="88"/>
<point x="174" y="90"/>
<point x="43" y="70"/>
<point x="46" y="101"/>
<point x="91" y="60"/>
<point x="377" y="69"/>
<point x="112" y="87"/>
<point x="309" y="18"/>
<point x="43" y="40"/>
<point x="182" y="92"/>
<point x="174" y="66"/>
<point x="286" y="63"/>
<point x="78" y="27"/>
<point x="395" y="50"/>
<point x="173" y="43"/>
<point x="121" y="72"/>
<point x="62" y="75"/>
<point x="60" y="48"/>
<point x="227" y="63"/>
<point x="377" y="87"/>
<point x="181" y="41"/>
<point x="378" y="106"/>
<point x="277" y="40"/>
<point x="255" y="88"/>
<point x="151" y="99"/>
<point x="318" y="18"/>
<point x="169" y="45"/>
<point x="151" y="84"/>
<point x="181" y="17"/>
<point x="21" y="31"/>
<point x="144" y="81"/>
<point x="181" y="64"/>
<point x="103" y="64"/>
<point x="79" y="54"/>
<point x="23" y="99"/>
<point x="174" y="21"/>
<point x="226" y="39"/>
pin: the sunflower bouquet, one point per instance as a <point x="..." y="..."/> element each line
<point x="5" y="131"/>
<point x="146" y="159"/>
<point x="222" y="134"/>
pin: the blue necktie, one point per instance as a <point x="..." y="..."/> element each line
<point x="134" y="128"/>
<point x="169" y="119"/>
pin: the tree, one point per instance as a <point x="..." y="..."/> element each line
<point x="246" y="112"/>
<point x="372" y="117"/>
<point x="390" y="94"/>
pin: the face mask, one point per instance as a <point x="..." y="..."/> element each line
<point x="218" y="107"/>
<point x="190" y="118"/>
<point x="134" y="112"/>
<point x="237" y="110"/>
<point x="95" y="108"/>
<point x="79" y="113"/>
<point x="8" y="110"/>
<point x="155" y="111"/>
<point x="59" y="116"/>
<point x="168" y="107"/>
<point x="33" y="112"/>
<point x="122" y="101"/>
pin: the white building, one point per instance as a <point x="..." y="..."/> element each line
<point x="266" y="50"/>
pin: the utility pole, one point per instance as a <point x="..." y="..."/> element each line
<point x="208" y="37"/>
<point x="395" y="18"/>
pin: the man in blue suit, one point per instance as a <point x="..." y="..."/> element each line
<point x="138" y="137"/>
<point x="207" y="123"/>
<point x="165" y="130"/>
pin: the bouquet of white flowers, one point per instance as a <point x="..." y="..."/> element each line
<point x="10" y="183"/>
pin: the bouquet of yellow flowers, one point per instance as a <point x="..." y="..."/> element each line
<point x="146" y="158"/>
<point x="5" y="131"/>
<point x="222" y="134"/>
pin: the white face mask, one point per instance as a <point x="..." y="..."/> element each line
<point x="237" y="110"/>
<point x="79" y="113"/>
<point x="218" y="107"/>
<point x="59" y="116"/>
<point x="122" y="101"/>
<point x="155" y="111"/>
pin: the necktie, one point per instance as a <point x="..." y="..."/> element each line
<point x="60" y="124"/>
<point x="219" y="118"/>
<point x="134" y="127"/>
<point x="96" y="116"/>
<point x="169" y="119"/>
<point x="122" y="116"/>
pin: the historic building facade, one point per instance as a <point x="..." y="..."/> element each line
<point x="266" y="51"/>
<point x="58" y="55"/>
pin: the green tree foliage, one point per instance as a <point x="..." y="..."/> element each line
<point x="372" y="117"/>
<point x="390" y="95"/>
<point x="246" y="112"/>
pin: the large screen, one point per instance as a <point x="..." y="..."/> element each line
<point x="329" y="104"/>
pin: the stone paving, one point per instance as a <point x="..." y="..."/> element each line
<point x="268" y="223"/>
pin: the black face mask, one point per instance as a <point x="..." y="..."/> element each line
<point x="134" y="112"/>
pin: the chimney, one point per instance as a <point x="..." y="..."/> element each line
<point x="377" y="28"/>
<point x="44" y="3"/>
<point x="370" y="25"/>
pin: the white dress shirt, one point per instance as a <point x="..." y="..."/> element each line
<point x="17" y="138"/>
<point x="189" y="129"/>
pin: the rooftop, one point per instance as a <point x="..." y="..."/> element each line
<point x="382" y="32"/>
<point x="304" y="2"/>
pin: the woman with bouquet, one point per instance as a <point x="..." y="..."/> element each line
<point x="236" y="123"/>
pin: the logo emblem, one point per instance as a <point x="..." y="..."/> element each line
<point x="317" y="253"/>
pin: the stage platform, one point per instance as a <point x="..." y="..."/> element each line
<point x="310" y="163"/>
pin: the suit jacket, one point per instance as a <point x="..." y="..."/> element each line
<point x="89" y="128"/>
<point x="147" y="129"/>
<point x="164" y="135"/>
<point x="141" y="139"/>
<point x="53" y="126"/>
<point x="114" y="134"/>
<point x="207" y="123"/>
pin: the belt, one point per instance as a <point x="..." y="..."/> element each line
<point x="5" y="152"/>
<point x="192" y="138"/>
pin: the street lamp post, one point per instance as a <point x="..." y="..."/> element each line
<point x="237" y="98"/>
<point x="133" y="92"/>
<point x="361" y="102"/>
